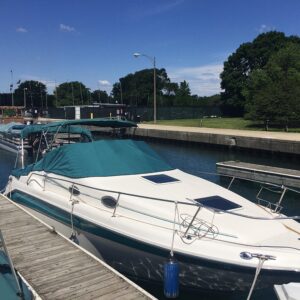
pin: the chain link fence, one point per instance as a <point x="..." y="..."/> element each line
<point x="134" y="113"/>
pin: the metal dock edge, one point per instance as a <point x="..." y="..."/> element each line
<point x="55" y="267"/>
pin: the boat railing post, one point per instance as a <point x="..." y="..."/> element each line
<point x="45" y="178"/>
<point x="45" y="137"/>
<point x="231" y="182"/>
<point x="54" y="137"/>
<point x="39" y="149"/>
<point x="28" y="180"/>
<point x="280" y="199"/>
<point x="117" y="204"/>
<point x="22" y="153"/>
<point x="258" y="194"/>
<point x="193" y="219"/>
<point x="20" y="294"/>
<point x="72" y="189"/>
<point x="174" y="231"/>
<point x="17" y="158"/>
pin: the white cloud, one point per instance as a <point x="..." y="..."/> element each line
<point x="29" y="77"/>
<point x="105" y="85"/>
<point x="203" y="80"/>
<point x="21" y="29"/>
<point x="265" y="28"/>
<point x="164" y="7"/>
<point x="104" y="82"/>
<point x="66" y="28"/>
<point x="50" y="84"/>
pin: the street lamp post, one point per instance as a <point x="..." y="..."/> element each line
<point x="25" y="97"/>
<point x="152" y="59"/>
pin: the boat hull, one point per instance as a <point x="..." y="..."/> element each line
<point x="142" y="261"/>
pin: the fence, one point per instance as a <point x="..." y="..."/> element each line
<point x="134" y="113"/>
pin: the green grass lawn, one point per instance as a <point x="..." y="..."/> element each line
<point x="231" y="123"/>
<point x="228" y="123"/>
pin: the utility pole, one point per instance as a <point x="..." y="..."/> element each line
<point x="12" y="88"/>
<point x="81" y="93"/>
<point x="25" y="97"/>
<point x="121" y="92"/>
<point x="41" y="98"/>
<point x="73" y="93"/>
<point x="55" y="92"/>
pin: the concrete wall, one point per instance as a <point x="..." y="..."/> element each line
<point x="246" y="142"/>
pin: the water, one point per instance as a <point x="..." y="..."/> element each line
<point x="196" y="159"/>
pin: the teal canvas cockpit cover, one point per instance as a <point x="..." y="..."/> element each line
<point x="97" y="159"/>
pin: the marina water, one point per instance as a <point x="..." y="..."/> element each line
<point x="201" y="161"/>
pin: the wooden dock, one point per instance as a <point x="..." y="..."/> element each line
<point x="280" y="176"/>
<point x="55" y="267"/>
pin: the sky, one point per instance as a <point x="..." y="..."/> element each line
<point x="93" y="41"/>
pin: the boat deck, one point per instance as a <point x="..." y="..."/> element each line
<point x="55" y="267"/>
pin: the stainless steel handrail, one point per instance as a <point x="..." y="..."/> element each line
<point x="110" y="191"/>
<point x="192" y="203"/>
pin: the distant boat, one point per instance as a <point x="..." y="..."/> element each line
<point x="135" y="210"/>
<point x="10" y="138"/>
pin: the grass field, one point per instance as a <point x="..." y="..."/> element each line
<point x="228" y="123"/>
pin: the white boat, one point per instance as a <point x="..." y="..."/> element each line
<point x="290" y="291"/>
<point x="10" y="139"/>
<point x="135" y="210"/>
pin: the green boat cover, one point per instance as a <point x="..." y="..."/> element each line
<point x="38" y="128"/>
<point x="98" y="159"/>
<point x="5" y="127"/>
<point x="63" y="126"/>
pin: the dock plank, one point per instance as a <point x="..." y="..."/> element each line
<point x="81" y="289"/>
<point x="53" y="266"/>
<point x="34" y="260"/>
<point x="92" y="287"/>
<point x="74" y="273"/>
<point x="75" y="279"/>
<point x="39" y="274"/>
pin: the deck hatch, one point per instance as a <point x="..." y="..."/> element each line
<point x="160" y="178"/>
<point x="218" y="202"/>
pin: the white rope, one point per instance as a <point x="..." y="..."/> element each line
<point x="73" y="202"/>
<point x="10" y="186"/>
<point x="258" y="268"/>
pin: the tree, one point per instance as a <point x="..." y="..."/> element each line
<point x="247" y="58"/>
<point x="72" y="93"/>
<point x="99" y="96"/>
<point x="137" y="88"/>
<point x="273" y="93"/>
<point x="183" y="94"/>
<point x="35" y="94"/>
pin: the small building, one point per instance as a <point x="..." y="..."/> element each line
<point x="95" y="110"/>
